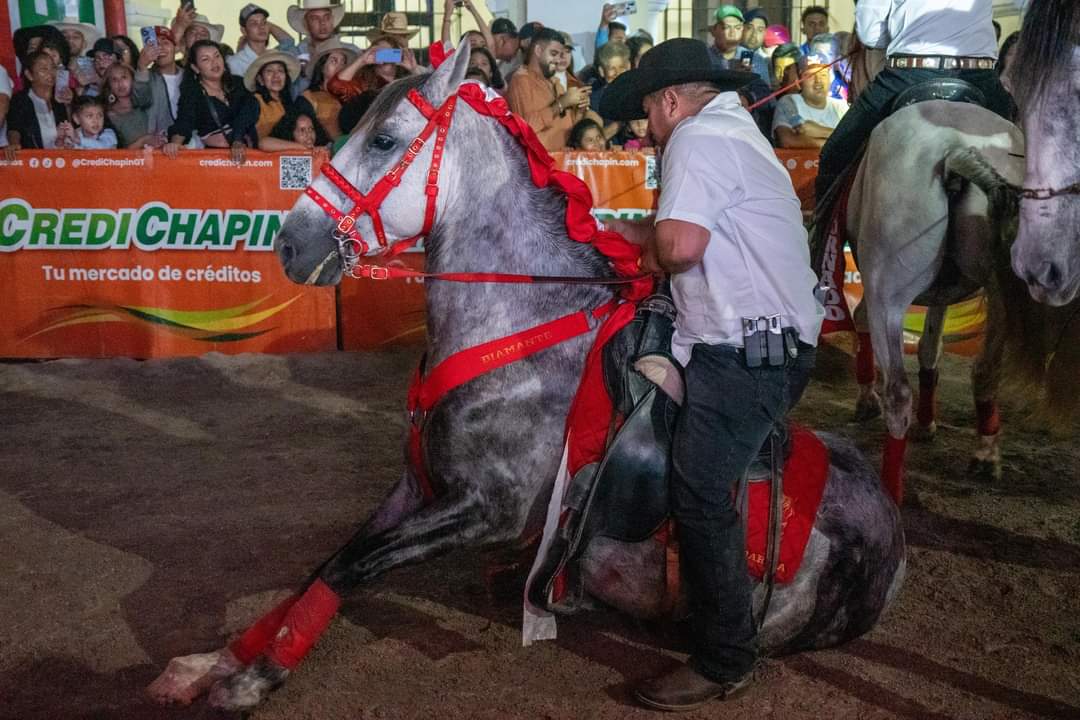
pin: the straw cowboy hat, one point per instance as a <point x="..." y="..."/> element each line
<point x="394" y="24"/>
<point x="90" y="33"/>
<point x="329" y="46"/>
<point x="672" y="62"/>
<point x="295" y="13"/>
<point x="289" y="61"/>
<point x="216" y="31"/>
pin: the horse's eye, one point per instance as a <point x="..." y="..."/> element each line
<point x="382" y="142"/>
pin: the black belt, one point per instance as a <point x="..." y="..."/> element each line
<point x="939" y="62"/>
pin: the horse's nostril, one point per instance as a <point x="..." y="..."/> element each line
<point x="1047" y="277"/>
<point x="287" y="251"/>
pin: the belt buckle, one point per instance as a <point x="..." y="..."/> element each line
<point x="901" y="62"/>
<point x="950" y="64"/>
<point x="931" y="63"/>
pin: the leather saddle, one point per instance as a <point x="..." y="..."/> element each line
<point x="951" y="89"/>
<point x="624" y="496"/>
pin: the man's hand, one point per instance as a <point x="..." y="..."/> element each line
<point x="574" y="97"/>
<point x="607" y="14"/>
<point x="149" y="54"/>
<point x="170" y="149"/>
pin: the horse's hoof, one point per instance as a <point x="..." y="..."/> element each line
<point x="923" y="433"/>
<point x="985" y="471"/>
<point x="867" y="408"/>
<point x="246" y="689"/>
<point x="186" y="678"/>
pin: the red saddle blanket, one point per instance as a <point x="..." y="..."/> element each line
<point x="805" y="473"/>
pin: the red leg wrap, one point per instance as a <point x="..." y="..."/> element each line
<point x="864" y="360"/>
<point x="988" y="419"/>
<point x="248" y="646"/>
<point x="892" y="468"/>
<point x="928" y="382"/>
<point x="304" y="625"/>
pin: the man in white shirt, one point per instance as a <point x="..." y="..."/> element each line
<point x="256" y="29"/>
<point x="806" y="119"/>
<point x="925" y="40"/>
<point x="729" y="231"/>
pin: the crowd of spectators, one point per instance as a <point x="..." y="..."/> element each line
<point x="302" y="86"/>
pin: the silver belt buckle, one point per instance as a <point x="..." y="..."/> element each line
<point x="900" y="62"/>
<point x="931" y="63"/>
<point x="951" y="63"/>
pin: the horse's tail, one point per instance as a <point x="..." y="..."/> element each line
<point x="1036" y="337"/>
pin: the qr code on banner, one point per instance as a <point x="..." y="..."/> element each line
<point x="652" y="173"/>
<point x="294" y="173"/>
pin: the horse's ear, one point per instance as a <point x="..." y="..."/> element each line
<point x="445" y="80"/>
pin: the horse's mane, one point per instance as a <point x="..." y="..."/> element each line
<point x="1050" y="32"/>
<point x="387" y="101"/>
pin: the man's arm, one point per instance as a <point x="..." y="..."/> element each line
<point x="680" y="245"/>
<point x="871" y="23"/>
<point x="796" y="138"/>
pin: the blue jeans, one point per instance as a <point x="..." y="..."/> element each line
<point x="727" y="416"/>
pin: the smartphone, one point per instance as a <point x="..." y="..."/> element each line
<point x="626" y="8"/>
<point x="388" y="55"/>
<point x="63" y="78"/>
<point x="187" y="4"/>
<point x="84" y="71"/>
<point x="149" y="36"/>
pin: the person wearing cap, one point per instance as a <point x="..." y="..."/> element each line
<point x="103" y="54"/>
<point x="157" y="79"/>
<point x="730" y="234"/>
<point x="924" y="40"/>
<point x="506" y="47"/>
<point x="533" y="94"/>
<point x="807" y="118"/>
<point x="255" y="32"/>
<point x="775" y="36"/>
<point x="726" y="51"/>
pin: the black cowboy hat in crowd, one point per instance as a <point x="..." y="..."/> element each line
<point x="672" y="62"/>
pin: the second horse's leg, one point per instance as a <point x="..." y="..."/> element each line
<point x="930" y="345"/>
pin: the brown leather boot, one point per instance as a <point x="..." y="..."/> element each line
<point x="685" y="689"/>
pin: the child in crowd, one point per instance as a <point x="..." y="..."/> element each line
<point x="297" y="130"/>
<point x="587" y="135"/>
<point x="90" y="133"/>
<point x="635" y="135"/>
<point x="132" y="123"/>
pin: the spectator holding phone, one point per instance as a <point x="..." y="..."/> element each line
<point x="534" y="96"/>
<point x="255" y="31"/>
<point x="475" y="38"/>
<point x="610" y="29"/>
<point x="384" y="62"/>
<point x="103" y="55"/>
<point x="213" y="104"/>
<point x="188" y="27"/>
<point x="158" y="75"/>
<point x="36" y="120"/>
<point x="88" y="114"/>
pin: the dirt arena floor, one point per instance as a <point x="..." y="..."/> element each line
<point x="151" y="509"/>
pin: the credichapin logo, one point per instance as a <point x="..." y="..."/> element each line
<point x="154" y="226"/>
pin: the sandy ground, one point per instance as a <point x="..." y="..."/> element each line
<point x="150" y="509"/>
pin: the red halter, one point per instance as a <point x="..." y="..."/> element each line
<point x="351" y="245"/>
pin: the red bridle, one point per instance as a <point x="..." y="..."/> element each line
<point x="351" y="245"/>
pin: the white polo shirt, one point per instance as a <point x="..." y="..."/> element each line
<point x="953" y="28"/>
<point x="718" y="171"/>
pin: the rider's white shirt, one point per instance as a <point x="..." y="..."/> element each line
<point x="718" y="171"/>
<point x="955" y="28"/>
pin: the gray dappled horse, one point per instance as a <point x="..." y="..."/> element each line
<point x="1044" y="78"/>
<point x="493" y="446"/>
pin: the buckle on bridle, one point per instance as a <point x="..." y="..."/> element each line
<point x="375" y="272"/>
<point x="346" y="224"/>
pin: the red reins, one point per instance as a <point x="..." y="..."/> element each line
<point x="369" y="204"/>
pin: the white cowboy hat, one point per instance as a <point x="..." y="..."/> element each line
<point x="295" y="13"/>
<point x="289" y="61"/>
<point x="394" y="24"/>
<point x="328" y="46"/>
<point x="90" y="33"/>
<point x="216" y="31"/>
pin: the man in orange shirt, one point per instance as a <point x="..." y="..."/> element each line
<point x="534" y="96"/>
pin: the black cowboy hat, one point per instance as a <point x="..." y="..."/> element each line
<point x="672" y="62"/>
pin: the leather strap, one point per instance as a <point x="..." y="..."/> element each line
<point x="939" y="62"/>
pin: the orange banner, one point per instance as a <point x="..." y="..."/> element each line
<point x="120" y="253"/>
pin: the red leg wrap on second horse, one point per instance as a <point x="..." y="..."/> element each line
<point x="864" y="360"/>
<point x="892" y="468"/>
<point x="304" y="625"/>
<point x="248" y="646"/>
<point x="928" y="383"/>
<point x="988" y="420"/>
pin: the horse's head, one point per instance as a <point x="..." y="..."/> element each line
<point x="1045" y="80"/>
<point x="374" y="169"/>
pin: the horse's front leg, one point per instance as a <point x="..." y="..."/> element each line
<point x="930" y="345"/>
<point x="448" y="523"/>
<point x="868" y="402"/>
<point x="985" y="381"/>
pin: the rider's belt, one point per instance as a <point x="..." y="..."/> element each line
<point x="939" y="62"/>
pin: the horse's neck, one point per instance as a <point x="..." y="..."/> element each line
<point x="512" y="228"/>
